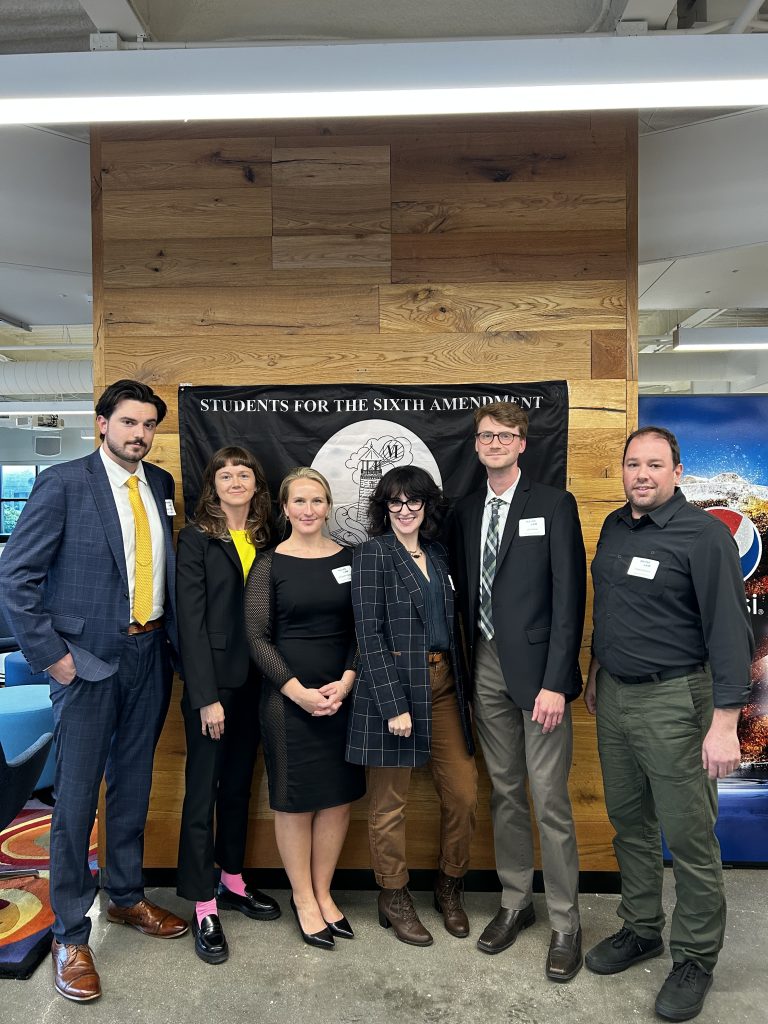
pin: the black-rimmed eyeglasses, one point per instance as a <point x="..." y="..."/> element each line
<point x="505" y="437"/>
<point x="412" y="504"/>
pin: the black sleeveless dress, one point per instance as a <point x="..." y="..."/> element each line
<point x="298" y="614"/>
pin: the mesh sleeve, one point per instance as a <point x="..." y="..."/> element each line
<point x="259" y="613"/>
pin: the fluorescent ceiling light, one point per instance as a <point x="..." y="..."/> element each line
<point x="720" y="339"/>
<point x="383" y="79"/>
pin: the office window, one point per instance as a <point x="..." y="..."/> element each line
<point x="15" y="485"/>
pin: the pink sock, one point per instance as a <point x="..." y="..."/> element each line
<point x="205" y="909"/>
<point x="234" y="883"/>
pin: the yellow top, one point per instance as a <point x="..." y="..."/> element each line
<point x="245" y="550"/>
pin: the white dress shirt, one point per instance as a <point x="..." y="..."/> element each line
<point x="118" y="480"/>
<point x="506" y="499"/>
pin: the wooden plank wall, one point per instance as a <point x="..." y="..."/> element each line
<point x="445" y="250"/>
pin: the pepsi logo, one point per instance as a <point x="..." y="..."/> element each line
<point x="746" y="535"/>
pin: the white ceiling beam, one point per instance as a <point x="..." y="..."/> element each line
<point x="115" y="16"/>
<point x="380" y="79"/>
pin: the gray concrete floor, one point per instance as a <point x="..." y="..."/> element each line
<point x="273" y="978"/>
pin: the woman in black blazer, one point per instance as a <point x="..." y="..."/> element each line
<point x="220" y="700"/>
<point x="410" y="704"/>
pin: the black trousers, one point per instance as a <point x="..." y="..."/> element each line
<point x="218" y="777"/>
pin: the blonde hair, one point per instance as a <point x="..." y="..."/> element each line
<point x="301" y="473"/>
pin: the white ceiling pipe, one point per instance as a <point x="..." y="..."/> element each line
<point x="68" y="377"/>
<point x="751" y="10"/>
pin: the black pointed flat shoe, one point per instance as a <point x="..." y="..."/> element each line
<point x="320" y="940"/>
<point x="341" y="929"/>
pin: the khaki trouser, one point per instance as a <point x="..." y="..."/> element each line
<point x="650" y="737"/>
<point x="455" y="778"/>
<point x="515" y="749"/>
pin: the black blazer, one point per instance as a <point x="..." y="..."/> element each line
<point x="393" y="676"/>
<point x="539" y="591"/>
<point x="209" y="588"/>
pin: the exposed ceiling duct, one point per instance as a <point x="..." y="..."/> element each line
<point x="70" y="377"/>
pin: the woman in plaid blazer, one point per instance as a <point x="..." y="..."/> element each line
<point x="410" y="704"/>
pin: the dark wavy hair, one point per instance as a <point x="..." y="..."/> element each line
<point x="413" y="482"/>
<point x="129" y="390"/>
<point x="209" y="516"/>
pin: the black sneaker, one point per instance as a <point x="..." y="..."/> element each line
<point x="683" y="993"/>
<point x="620" y="951"/>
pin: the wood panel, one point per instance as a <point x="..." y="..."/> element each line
<point x="187" y="163"/>
<point x="533" y="306"/>
<point x="516" y="156"/>
<point x="223" y="312"/>
<point x="508" y="256"/>
<point x="457" y="249"/>
<point x="188" y="213"/>
<point x="425" y="209"/>
<point x="235" y="262"/>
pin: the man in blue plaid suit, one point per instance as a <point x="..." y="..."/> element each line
<point x="69" y="582"/>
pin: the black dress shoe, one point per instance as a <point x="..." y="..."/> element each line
<point x="210" y="943"/>
<point x="320" y="940"/>
<point x="254" y="904"/>
<point x="501" y="932"/>
<point x="564" y="959"/>
<point x="342" y="929"/>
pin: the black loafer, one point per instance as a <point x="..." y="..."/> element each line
<point x="210" y="943"/>
<point x="254" y="904"/>
<point x="340" y="929"/>
<point x="501" y="932"/>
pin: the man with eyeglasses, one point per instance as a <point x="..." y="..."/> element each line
<point x="519" y="554"/>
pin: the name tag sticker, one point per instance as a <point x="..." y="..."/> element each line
<point x="170" y="510"/>
<point x="646" y="568"/>
<point x="451" y="582"/>
<point x="343" y="574"/>
<point x="532" y="527"/>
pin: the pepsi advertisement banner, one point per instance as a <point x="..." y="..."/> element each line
<point x="724" y="451"/>
<point x="353" y="435"/>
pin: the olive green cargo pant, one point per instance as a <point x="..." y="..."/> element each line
<point x="649" y="738"/>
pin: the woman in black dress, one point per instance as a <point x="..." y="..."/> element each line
<point x="298" y="615"/>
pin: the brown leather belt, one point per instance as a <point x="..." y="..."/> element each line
<point x="148" y="627"/>
<point x="435" y="657"/>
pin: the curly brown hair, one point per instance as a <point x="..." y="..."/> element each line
<point x="209" y="516"/>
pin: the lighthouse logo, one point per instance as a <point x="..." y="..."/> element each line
<point x="353" y="461"/>
<point x="746" y="535"/>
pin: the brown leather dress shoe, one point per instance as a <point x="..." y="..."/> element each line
<point x="148" y="918"/>
<point x="501" y="932"/>
<point x="448" y="892"/>
<point x="74" y="974"/>
<point x="396" y="910"/>
<point x="564" y="959"/>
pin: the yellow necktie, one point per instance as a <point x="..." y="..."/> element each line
<point x="142" y="590"/>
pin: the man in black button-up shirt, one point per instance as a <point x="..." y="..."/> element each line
<point x="670" y="670"/>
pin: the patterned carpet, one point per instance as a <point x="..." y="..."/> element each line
<point x="25" y="910"/>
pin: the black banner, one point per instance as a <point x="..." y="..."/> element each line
<point x="354" y="434"/>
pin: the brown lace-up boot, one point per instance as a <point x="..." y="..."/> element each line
<point x="448" y="893"/>
<point x="396" y="909"/>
